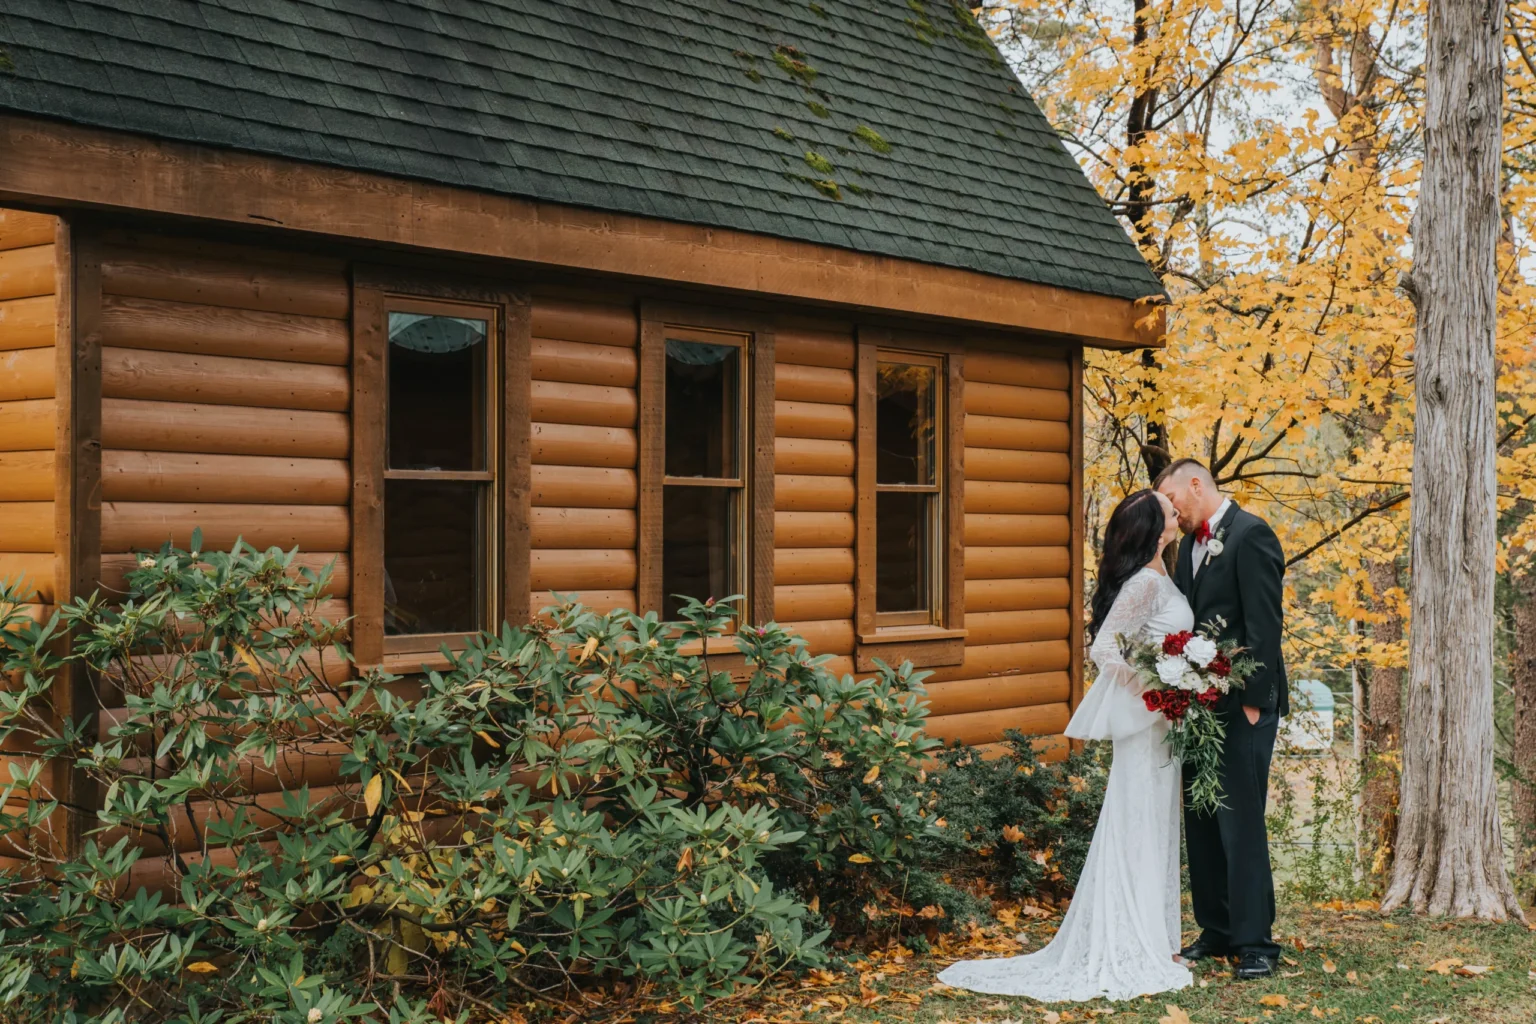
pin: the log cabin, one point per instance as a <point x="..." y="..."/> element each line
<point x="501" y="299"/>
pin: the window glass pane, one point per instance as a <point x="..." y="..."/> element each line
<point x="703" y="421"/>
<point x="902" y="542"/>
<point x="437" y="367"/>
<point x="905" y="411"/>
<point x="698" y="544"/>
<point x="433" y="571"/>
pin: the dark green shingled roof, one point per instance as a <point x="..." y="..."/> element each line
<point x="880" y="126"/>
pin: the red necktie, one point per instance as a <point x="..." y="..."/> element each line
<point x="1203" y="533"/>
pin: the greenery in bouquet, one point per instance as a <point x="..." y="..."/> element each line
<point x="1187" y="674"/>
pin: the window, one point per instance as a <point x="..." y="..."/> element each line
<point x="704" y="495"/>
<point x="909" y="592"/>
<point x="441" y="478"/>
<point x="706" y="459"/>
<point x="440" y="469"/>
<point x="908" y="515"/>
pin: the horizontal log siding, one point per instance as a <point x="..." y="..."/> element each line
<point x="28" y="420"/>
<point x="1017" y="533"/>
<point x="585" y="452"/>
<point x="225" y="392"/>
<point x="814" y="487"/>
<point x="225" y="407"/>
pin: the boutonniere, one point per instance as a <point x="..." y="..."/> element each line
<point x="1214" y="546"/>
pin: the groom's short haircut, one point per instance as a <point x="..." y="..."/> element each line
<point x="1183" y="467"/>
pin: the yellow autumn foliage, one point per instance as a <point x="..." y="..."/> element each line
<point x="1266" y="157"/>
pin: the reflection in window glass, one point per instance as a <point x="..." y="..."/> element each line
<point x="432" y="563"/>
<point x="904" y="417"/>
<point x="902" y="543"/>
<point x="698" y="544"/>
<point x="703" y="382"/>
<point x="437" y="367"/>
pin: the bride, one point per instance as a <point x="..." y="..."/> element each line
<point x="1120" y="936"/>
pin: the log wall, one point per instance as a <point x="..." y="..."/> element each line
<point x="1018" y="566"/>
<point x="225" y="398"/>
<point x="28" y="409"/>
<point x="29" y="276"/>
<point x="226" y="391"/>
<point x="584" y="449"/>
<point x="813" y="515"/>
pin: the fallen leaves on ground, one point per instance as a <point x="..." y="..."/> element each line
<point x="1275" y="999"/>
<point x="1175" y="1015"/>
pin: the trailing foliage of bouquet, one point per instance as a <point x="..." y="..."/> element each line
<point x="570" y="806"/>
<point x="1187" y="674"/>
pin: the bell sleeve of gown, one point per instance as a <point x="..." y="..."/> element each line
<point x="1112" y="707"/>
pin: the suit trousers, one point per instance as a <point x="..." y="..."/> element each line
<point x="1230" y="882"/>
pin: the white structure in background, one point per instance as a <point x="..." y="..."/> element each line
<point x="1309" y="726"/>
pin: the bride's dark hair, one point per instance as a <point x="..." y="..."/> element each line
<point x="1130" y="543"/>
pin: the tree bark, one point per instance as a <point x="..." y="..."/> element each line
<point x="1381" y="721"/>
<point x="1138" y="210"/>
<point x="1450" y="851"/>
<point x="1523" y="754"/>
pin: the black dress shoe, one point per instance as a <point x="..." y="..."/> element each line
<point x="1201" y="949"/>
<point x="1252" y="966"/>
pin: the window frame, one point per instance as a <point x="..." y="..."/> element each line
<point x="927" y="639"/>
<point x="658" y="321"/>
<point x="376" y="292"/>
<point x="934" y="615"/>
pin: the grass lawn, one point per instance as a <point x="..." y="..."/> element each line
<point x="1342" y="963"/>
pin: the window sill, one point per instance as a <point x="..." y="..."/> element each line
<point x="923" y="646"/>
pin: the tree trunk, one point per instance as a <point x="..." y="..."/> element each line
<point x="1381" y="721"/>
<point x="1524" y="753"/>
<point x="1450" y="852"/>
<point x="1138" y="210"/>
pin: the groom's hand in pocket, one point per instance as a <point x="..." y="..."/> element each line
<point x="1252" y="713"/>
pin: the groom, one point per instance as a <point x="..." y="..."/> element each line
<point x="1230" y="567"/>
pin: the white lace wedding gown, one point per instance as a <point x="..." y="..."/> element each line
<point x="1121" y="931"/>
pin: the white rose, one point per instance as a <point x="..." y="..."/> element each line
<point x="1200" y="650"/>
<point x="1171" y="668"/>
<point x="1214" y="547"/>
<point x="1192" y="682"/>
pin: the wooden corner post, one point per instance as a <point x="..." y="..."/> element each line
<point x="77" y="496"/>
<point x="1079" y="537"/>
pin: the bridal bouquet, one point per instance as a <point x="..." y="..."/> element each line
<point x="1187" y="674"/>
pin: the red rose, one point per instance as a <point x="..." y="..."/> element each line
<point x="1174" y="643"/>
<point x="1175" y="704"/>
<point x="1219" y="666"/>
<point x="1210" y="697"/>
<point x="1153" y="699"/>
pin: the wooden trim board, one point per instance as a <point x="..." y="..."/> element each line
<point x="52" y="164"/>
<point x="651" y="463"/>
<point x="77" y="495"/>
<point x="1079" y="536"/>
<point x="369" y="349"/>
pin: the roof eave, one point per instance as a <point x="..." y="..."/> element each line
<point x="58" y="164"/>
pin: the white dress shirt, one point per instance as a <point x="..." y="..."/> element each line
<point x="1197" y="556"/>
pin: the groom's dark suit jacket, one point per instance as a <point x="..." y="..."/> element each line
<point x="1243" y="586"/>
